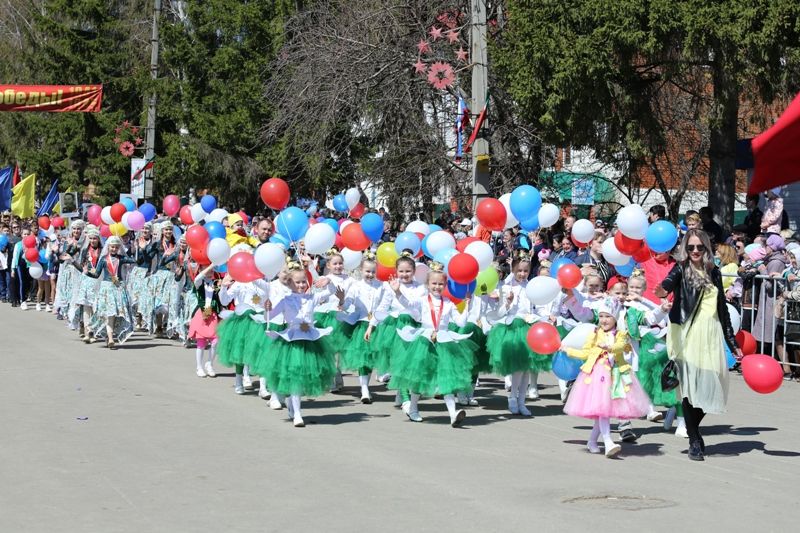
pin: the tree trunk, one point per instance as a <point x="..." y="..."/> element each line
<point x="722" y="149"/>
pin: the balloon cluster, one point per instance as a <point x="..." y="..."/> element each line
<point x="37" y="259"/>
<point x="120" y="218"/>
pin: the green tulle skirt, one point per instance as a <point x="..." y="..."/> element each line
<point x="305" y="368"/>
<point x="478" y="337"/>
<point x="428" y="368"/>
<point x="340" y="335"/>
<point x="386" y="343"/>
<point x="241" y="339"/>
<point x="358" y="353"/>
<point x="651" y="364"/>
<point x="509" y="352"/>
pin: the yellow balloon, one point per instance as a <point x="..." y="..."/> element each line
<point x="461" y="305"/>
<point x="387" y="254"/>
<point x="487" y="281"/>
<point x="118" y="229"/>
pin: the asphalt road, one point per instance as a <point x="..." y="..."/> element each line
<point x="133" y="441"/>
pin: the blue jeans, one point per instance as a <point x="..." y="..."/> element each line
<point x="5" y="284"/>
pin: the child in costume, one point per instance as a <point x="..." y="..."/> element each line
<point x="111" y="305"/>
<point x="185" y="273"/>
<point x="68" y="273"/>
<point x="203" y="327"/>
<point x="83" y="296"/>
<point x="435" y="359"/>
<point x="326" y="315"/>
<point x="137" y="277"/>
<point x="606" y="387"/>
<point x="155" y="305"/>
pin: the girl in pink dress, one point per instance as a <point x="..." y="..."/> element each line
<point x="203" y="327"/>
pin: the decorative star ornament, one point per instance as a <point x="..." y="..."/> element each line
<point x="461" y="54"/>
<point x="452" y="36"/>
<point x="441" y="75"/>
<point x="435" y="33"/>
<point x="423" y="47"/>
<point x="420" y="67"/>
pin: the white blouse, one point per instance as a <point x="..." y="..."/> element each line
<point x="362" y="301"/>
<point x="422" y="311"/>
<point x="298" y="312"/>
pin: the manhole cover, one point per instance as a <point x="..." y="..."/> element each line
<point x="623" y="503"/>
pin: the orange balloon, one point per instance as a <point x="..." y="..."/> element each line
<point x="354" y="237"/>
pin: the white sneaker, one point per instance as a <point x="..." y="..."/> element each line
<point x="298" y="422"/>
<point x="274" y="403"/>
<point x="592" y="447"/>
<point x="681" y="432"/>
<point x="655" y="416"/>
<point x="524" y="411"/>
<point x="201" y="373"/>
<point x="412" y="415"/>
<point x="210" y="370"/>
<point x="533" y="392"/>
<point x="263" y="391"/>
<point x="48" y="309"/>
<point x="24" y="306"/>
<point x="612" y="448"/>
<point x="457" y="420"/>
<point x="238" y="389"/>
<point x="513" y="406"/>
<point x="467" y="401"/>
<point x="384" y="378"/>
<point x="366" y="397"/>
<point x="247" y="382"/>
<point x="38" y="306"/>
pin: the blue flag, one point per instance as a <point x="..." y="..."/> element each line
<point x="49" y="201"/>
<point x="6" y="178"/>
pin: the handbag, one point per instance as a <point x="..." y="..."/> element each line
<point x="669" y="376"/>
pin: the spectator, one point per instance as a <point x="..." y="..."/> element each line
<point x="464" y="229"/>
<point x="752" y="222"/>
<point x="771" y="221"/>
<point x="656" y="213"/>
<point x="568" y="223"/>
<point x="765" y="325"/>
<point x="264" y="230"/>
<point x="600" y="227"/>
<point x="592" y="261"/>
<point x="5" y="261"/>
<point x="693" y="220"/>
<point x="655" y="271"/>
<point x="567" y="249"/>
<point x="710" y="226"/>
<point x="728" y="264"/>
<point x="505" y="248"/>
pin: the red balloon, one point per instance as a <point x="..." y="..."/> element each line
<point x="197" y="237"/>
<point x="461" y="245"/>
<point x="491" y="214"/>
<point x="385" y="273"/>
<point x="543" y="338"/>
<point x="186" y="215"/>
<point x="579" y="244"/>
<point x="93" y="215"/>
<point x="627" y="245"/>
<point x="199" y="255"/>
<point x="44" y="222"/>
<point x="32" y="255"/>
<point x="463" y="268"/>
<point x="446" y="294"/>
<point x="245" y="218"/>
<point x="354" y="238"/>
<point x="642" y="254"/>
<point x="29" y="242"/>
<point x="746" y="342"/>
<point x="242" y="268"/>
<point x="339" y="242"/>
<point x="171" y="205"/>
<point x="762" y="373"/>
<point x="57" y="222"/>
<point x="275" y="193"/>
<point x="105" y="231"/>
<point x="117" y="210"/>
<point x="569" y="276"/>
<point x="358" y="210"/>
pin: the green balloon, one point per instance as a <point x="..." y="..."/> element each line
<point x="487" y="281"/>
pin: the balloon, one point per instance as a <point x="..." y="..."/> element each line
<point x="36" y="271"/>
<point x="177" y="232"/>
<point x="171" y="205"/>
<point x="354" y="238"/>
<point x="511" y="220"/>
<point x="661" y="236"/>
<point x="57" y="222"/>
<point x="93" y="215"/>
<point x="532" y="224"/>
<point x="460" y="290"/>
<point x="736" y="318"/>
<point x="343" y="224"/>
<point x="371" y="225"/>
<point x="280" y="240"/>
<point x="482" y="253"/>
<point x="3" y="242"/>
<point x="627" y="269"/>
<point x="439" y="241"/>
<point x="358" y="210"/>
<point x="526" y="202"/>
<point x="129" y="203"/>
<point x="612" y="255"/>
<point x="569" y="276"/>
<point x="218" y="251"/>
<point x="124" y="221"/>
<point x="351" y="198"/>
<point x="269" y="259"/>
<point x="643" y="254"/>
<point x="32" y="254"/>
<point x="407" y="241"/>
<point x="352" y="259"/>
<point x="543" y="338"/>
<point x="217" y="215"/>
<point x="198" y="213"/>
<point x="29" y="242"/>
<point x="292" y="223"/>
<point x="542" y="290"/>
<point x="385" y="273"/>
<point x="117" y="229"/>
<point x="319" y="239"/>
<point x="117" y="210"/>
<point x="548" y="215"/>
<point x="632" y="221"/>
<point x="148" y="210"/>
<point x="746" y="342"/>
<point x="463" y="268"/>
<point x="222" y="269"/>
<point x="43" y="257"/>
<point x="762" y="373"/>
<point x="242" y="267"/>
<point x="421" y="271"/>
<point x="105" y="215"/>
<point x="197" y="237"/>
<point x="491" y="214"/>
<point x="462" y="244"/>
<point x="487" y="281"/>
<point x="387" y="254"/>
<point x="275" y="193"/>
<point x="558" y="263"/>
<point x="625" y="245"/>
<point x="583" y="231"/>
<point x="199" y="255"/>
<point x="136" y="220"/>
<point x="578" y="336"/>
<point x="105" y="231"/>
<point x="340" y="203"/>
<point x="44" y="222"/>
<point x="418" y="226"/>
<point x="566" y="367"/>
<point x="186" y="215"/>
<point x="209" y="203"/>
<point x="445" y="256"/>
<point x="729" y="358"/>
<point x="433" y="227"/>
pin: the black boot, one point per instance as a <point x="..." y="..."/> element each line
<point x="695" y="451"/>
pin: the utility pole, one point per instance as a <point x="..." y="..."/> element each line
<point x="150" y="132"/>
<point x="480" y="87"/>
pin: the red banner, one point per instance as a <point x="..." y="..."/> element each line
<point x="56" y="98"/>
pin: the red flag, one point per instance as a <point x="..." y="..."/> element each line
<point x="478" y="123"/>
<point x="776" y="154"/>
<point x="15" y="178"/>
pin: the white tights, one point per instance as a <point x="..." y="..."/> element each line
<point x="201" y="346"/>
<point x="519" y="386"/>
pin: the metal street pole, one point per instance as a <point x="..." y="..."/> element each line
<point x="480" y="87"/>
<point x="150" y="132"/>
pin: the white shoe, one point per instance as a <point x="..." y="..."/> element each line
<point x="238" y="389"/>
<point x="655" y="416"/>
<point x="458" y="419"/>
<point x="669" y="419"/>
<point x="507" y="383"/>
<point x="681" y="432"/>
<point x="210" y="370"/>
<point x="48" y="309"/>
<point x="24" y="306"/>
<point x="612" y="449"/>
<point x="366" y="397"/>
<point x="201" y="373"/>
<point x="592" y="447"/>
<point x="38" y="306"/>
<point x="274" y="403"/>
<point x="384" y="378"/>
<point x="533" y="393"/>
<point x="247" y="383"/>
<point x="513" y="406"/>
<point x="466" y="401"/>
<point x="298" y="422"/>
<point x="263" y="391"/>
<point x="412" y="415"/>
<point x="524" y="411"/>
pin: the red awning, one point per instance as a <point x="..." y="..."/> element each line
<point x="777" y="152"/>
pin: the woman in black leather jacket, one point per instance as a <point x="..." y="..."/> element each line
<point x="699" y="324"/>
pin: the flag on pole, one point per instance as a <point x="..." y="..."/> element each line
<point x="57" y="207"/>
<point x="777" y="159"/>
<point x="15" y="180"/>
<point x="49" y="201"/>
<point x="462" y="121"/>
<point x="22" y="202"/>
<point x="478" y="123"/>
<point x="6" y="182"/>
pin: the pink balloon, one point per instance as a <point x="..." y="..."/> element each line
<point x="171" y="205"/>
<point x="135" y="220"/>
<point x="242" y="268"/>
<point x="93" y="215"/>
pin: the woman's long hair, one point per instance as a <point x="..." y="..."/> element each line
<point x="698" y="280"/>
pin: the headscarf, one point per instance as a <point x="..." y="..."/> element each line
<point x="776" y="243"/>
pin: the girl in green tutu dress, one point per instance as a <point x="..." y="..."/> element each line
<point x="435" y="359"/>
<point x="111" y="305"/>
<point x="302" y="362"/>
<point x="363" y="298"/>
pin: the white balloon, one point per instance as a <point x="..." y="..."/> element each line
<point x="548" y="215"/>
<point x="197" y="212"/>
<point x="352" y="196"/>
<point x="319" y="239"/>
<point x="578" y="336"/>
<point x="217" y="215"/>
<point x="632" y="221"/>
<point x="511" y="220"/>
<point x="583" y="230"/>
<point x="351" y="258"/>
<point x="421" y="273"/>
<point x="218" y="251"/>
<point x="482" y="253"/>
<point x="269" y="259"/>
<point x="418" y="226"/>
<point x="344" y="225"/>
<point x="124" y="221"/>
<point x="35" y="270"/>
<point x="311" y="211"/>
<point x="542" y="290"/>
<point x="105" y="215"/>
<point x="612" y="255"/>
<point x="438" y="241"/>
<point x="736" y="318"/>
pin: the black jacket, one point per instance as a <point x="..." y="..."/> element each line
<point x="687" y="298"/>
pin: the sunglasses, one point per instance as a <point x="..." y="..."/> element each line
<point x="698" y="247"/>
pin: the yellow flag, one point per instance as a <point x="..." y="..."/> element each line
<point x="57" y="207"/>
<point x="22" y="199"/>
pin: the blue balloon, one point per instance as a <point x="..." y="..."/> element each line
<point x="566" y="367"/>
<point x="683" y="225"/>
<point x="332" y="223"/>
<point x="434" y="227"/>
<point x="524" y="242"/>
<point x="460" y="290"/>
<point x="41" y="235"/>
<point x="340" y="203"/>
<point x="627" y="269"/>
<point x="3" y="242"/>
<point x="445" y="256"/>
<point x="531" y="224"/>
<point x="729" y="356"/>
<point x="407" y="241"/>
<point x="148" y="211"/>
<point x="280" y="239"/>
<point x="177" y="232"/>
<point x="129" y="204"/>
<point x="558" y="263"/>
<point x="222" y="269"/>
<point x="525" y="203"/>
<point x="43" y="257"/>
<point x="215" y="230"/>
<point x="661" y="236"/>
<point x="372" y="225"/>
<point x="424" y="246"/>
<point x="292" y="223"/>
<point x="208" y="203"/>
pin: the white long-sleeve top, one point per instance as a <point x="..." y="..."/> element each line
<point x="330" y="301"/>
<point x="298" y="312"/>
<point x="391" y="305"/>
<point x="422" y="311"/>
<point x="208" y="288"/>
<point x="246" y="296"/>
<point x="520" y="307"/>
<point x="277" y="292"/>
<point x="656" y="325"/>
<point x="482" y="311"/>
<point x="362" y="301"/>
